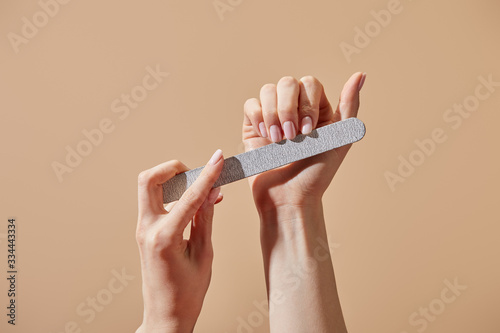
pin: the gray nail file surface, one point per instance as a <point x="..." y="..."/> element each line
<point x="272" y="156"/>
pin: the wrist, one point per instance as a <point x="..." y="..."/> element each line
<point x="162" y="320"/>
<point x="171" y="326"/>
<point x="267" y="201"/>
<point x="306" y="213"/>
<point x="294" y="226"/>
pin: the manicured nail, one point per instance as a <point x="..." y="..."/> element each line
<point x="262" y="129"/>
<point x="275" y="133"/>
<point x="307" y="125"/>
<point x="362" y="82"/>
<point x="213" y="195"/>
<point x="289" y="129"/>
<point x="216" y="157"/>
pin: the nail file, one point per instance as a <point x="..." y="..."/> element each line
<point x="272" y="156"/>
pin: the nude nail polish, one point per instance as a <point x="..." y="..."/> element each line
<point x="289" y="129"/>
<point x="215" y="157"/>
<point x="362" y="82"/>
<point x="275" y="133"/>
<point x="306" y="125"/>
<point x="262" y="129"/>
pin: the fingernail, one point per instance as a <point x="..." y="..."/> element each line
<point x="289" y="129"/>
<point x="362" y="82"/>
<point x="307" y="126"/>
<point x="214" y="194"/>
<point x="215" y="157"/>
<point x="275" y="133"/>
<point x="262" y="129"/>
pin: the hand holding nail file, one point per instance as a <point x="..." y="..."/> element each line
<point x="272" y="156"/>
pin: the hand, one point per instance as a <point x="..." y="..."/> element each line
<point x="288" y="200"/>
<point x="175" y="272"/>
<point x="282" y="111"/>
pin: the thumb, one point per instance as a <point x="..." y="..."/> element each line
<point x="349" y="103"/>
<point x="349" y="98"/>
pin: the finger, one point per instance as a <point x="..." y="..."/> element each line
<point x="201" y="228"/>
<point x="268" y="100"/>
<point x="169" y="206"/>
<point x="195" y="195"/>
<point x="288" y="99"/>
<point x="150" y="191"/>
<point x="253" y="117"/>
<point x="311" y="91"/>
<point x="220" y="197"/>
<point x="349" y="103"/>
<point x="349" y="98"/>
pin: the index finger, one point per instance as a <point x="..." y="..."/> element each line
<point x="196" y="194"/>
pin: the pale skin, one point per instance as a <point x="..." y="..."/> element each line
<point x="299" y="274"/>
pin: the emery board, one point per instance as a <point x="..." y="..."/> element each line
<point x="272" y="156"/>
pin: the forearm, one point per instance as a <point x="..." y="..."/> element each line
<point x="155" y="322"/>
<point x="299" y="273"/>
<point x="162" y="314"/>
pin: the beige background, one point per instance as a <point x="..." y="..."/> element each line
<point x="394" y="249"/>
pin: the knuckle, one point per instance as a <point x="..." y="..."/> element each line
<point x="306" y="107"/>
<point x="287" y="112"/>
<point x="252" y="106"/>
<point x="309" y="80"/>
<point x="158" y="242"/>
<point x="154" y="242"/>
<point x="208" y="254"/>
<point x="288" y="82"/>
<point x="177" y="164"/>
<point x="254" y="114"/>
<point x="268" y="88"/>
<point x="140" y="234"/>
<point x="140" y="238"/>
<point x="144" y="177"/>
<point x="250" y="102"/>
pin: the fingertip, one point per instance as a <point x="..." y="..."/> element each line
<point x="306" y="125"/>
<point x="220" y="197"/>
<point x="216" y="157"/>
<point x="197" y="195"/>
<point x="262" y="129"/>
<point x="289" y="130"/>
<point x="275" y="133"/>
<point x="355" y="81"/>
<point x="213" y="195"/>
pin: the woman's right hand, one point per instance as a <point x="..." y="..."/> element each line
<point x="175" y="271"/>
